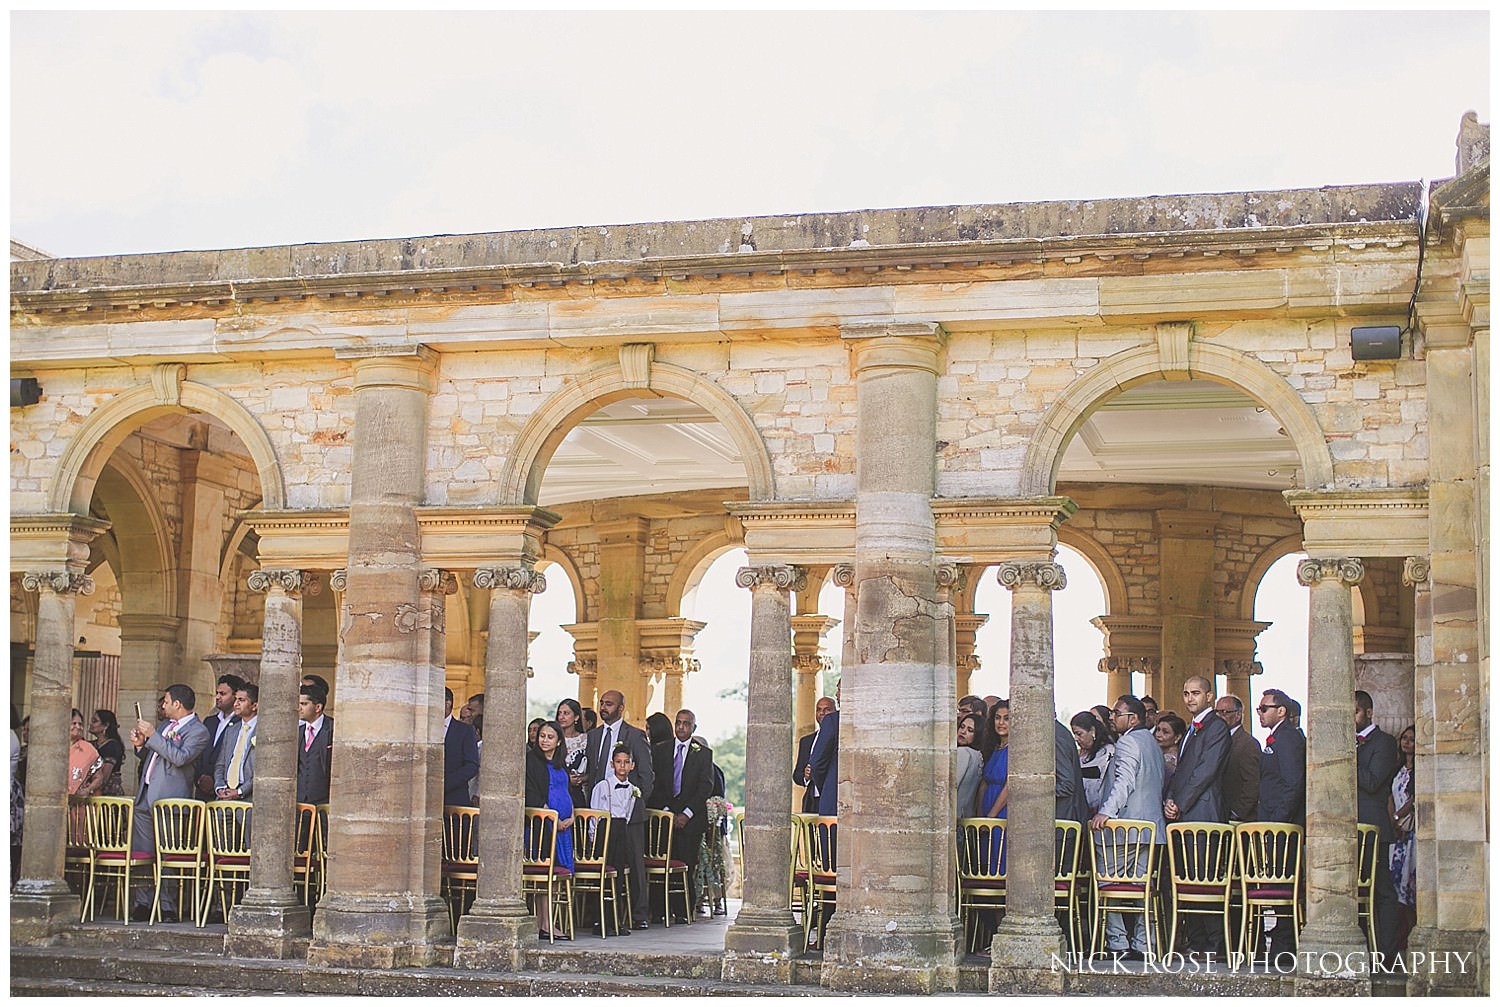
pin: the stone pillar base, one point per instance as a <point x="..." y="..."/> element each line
<point x="1456" y="963"/>
<point x="494" y="943"/>
<point x="759" y="948"/>
<point x="1347" y="943"/>
<point x="41" y="913"/>
<point x="1024" y="943"/>
<point x="1312" y="985"/>
<point x="278" y="932"/>
<point x="910" y="956"/>
<point x="380" y="933"/>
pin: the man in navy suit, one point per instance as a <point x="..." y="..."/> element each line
<point x="218" y="721"/>
<point x="1283" y="788"/>
<point x="314" y="745"/>
<point x="1195" y="791"/>
<point x="802" y="772"/>
<point x="824" y="762"/>
<point x="1378" y="761"/>
<point x="460" y="756"/>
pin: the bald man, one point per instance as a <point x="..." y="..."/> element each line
<point x="612" y="731"/>
<point x="1195" y="791"/>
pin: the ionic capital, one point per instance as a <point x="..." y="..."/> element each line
<point x="57" y="581"/>
<point x="949" y="576"/>
<point x="1047" y="576"/>
<point x="843" y="575"/>
<point x="435" y="581"/>
<point x="510" y="578"/>
<point x="1348" y="571"/>
<point x="583" y="667"/>
<point x="782" y="578"/>
<point x="292" y="582"/>
<point x="339" y="580"/>
<point x="1240" y="667"/>
<point x="1417" y="570"/>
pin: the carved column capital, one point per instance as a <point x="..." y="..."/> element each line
<point x="1348" y="571"/>
<point x="1047" y="576"/>
<point x="1416" y="570"/>
<point x="291" y="581"/>
<point x="437" y="581"/>
<point x="338" y="580"/>
<point x="1240" y="668"/>
<point x="782" y="578"/>
<point x="57" y="581"/>
<point x="950" y="576"/>
<point x="583" y="666"/>
<point x="843" y="575"/>
<point x="510" y="578"/>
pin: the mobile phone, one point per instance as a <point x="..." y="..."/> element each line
<point x="138" y="712"/>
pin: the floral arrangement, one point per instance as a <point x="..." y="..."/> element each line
<point x="713" y="858"/>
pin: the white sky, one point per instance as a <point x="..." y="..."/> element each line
<point x="152" y="132"/>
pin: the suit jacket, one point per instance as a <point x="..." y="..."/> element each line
<point x="176" y="771"/>
<point x="314" y="765"/>
<point x="1072" y="803"/>
<point x="1135" y="780"/>
<point x="824" y="760"/>
<point x="1242" y="777"/>
<point x="460" y="762"/>
<point x="804" y="756"/>
<point x="226" y="756"/>
<point x="1197" y="785"/>
<point x="697" y="782"/>
<point x="1378" y="760"/>
<point x="210" y="756"/>
<point x="644" y="773"/>
<point x="970" y="774"/>
<point x="1283" y="776"/>
<point x="538" y="780"/>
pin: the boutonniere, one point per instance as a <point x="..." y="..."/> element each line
<point x="252" y="740"/>
<point x="695" y="747"/>
<point x="635" y="791"/>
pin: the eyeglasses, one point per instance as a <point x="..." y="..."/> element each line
<point x="1263" y="709"/>
<point x="1119" y="713"/>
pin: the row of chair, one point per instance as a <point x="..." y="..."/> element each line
<point x="201" y="847"/>
<point x="592" y="879"/>
<point x="1211" y="868"/>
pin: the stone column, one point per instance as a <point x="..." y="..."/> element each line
<point x="764" y="937"/>
<point x="1117" y="672"/>
<point x="1416" y="574"/>
<point x="1237" y="675"/>
<point x="966" y="627"/>
<point x="1332" y="913"/>
<point x="383" y="910"/>
<point x="148" y="655"/>
<point x="895" y="931"/>
<point x="494" y="932"/>
<point x="1029" y="934"/>
<point x="1187" y="600"/>
<point x="587" y="670"/>
<point x="199" y="589"/>
<point x="622" y="561"/>
<point x="809" y="661"/>
<point x="271" y="921"/>
<point x="41" y="904"/>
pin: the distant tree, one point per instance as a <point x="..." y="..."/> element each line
<point x="729" y="754"/>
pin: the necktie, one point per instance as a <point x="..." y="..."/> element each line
<point x="237" y="761"/>
<point x="677" y="768"/>
<point x="605" y="746"/>
<point x="307" y="746"/>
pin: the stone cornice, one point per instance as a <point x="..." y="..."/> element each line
<point x="453" y="538"/>
<point x="924" y="238"/>
<point x="1377" y="522"/>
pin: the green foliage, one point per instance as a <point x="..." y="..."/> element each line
<point x="729" y="754"/>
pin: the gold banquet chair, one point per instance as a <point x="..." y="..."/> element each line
<point x="1369" y="845"/>
<point x="320" y="848"/>
<point x="1270" y="858"/>
<point x="460" y="859"/>
<point x="179" y="825"/>
<point x="228" y="854"/>
<point x="1065" y="881"/>
<point x="109" y="826"/>
<point x="801" y="875"/>
<point x="1124" y="854"/>
<point x="591" y="872"/>
<point x="820" y="840"/>
<point x="540" y="873"/>
<point x="1201" y="861"/>
<point x="304" y="851"/>
<point x="661" y="868"/>
<point x="76" y="857"/>
<point x="981" y="874"/>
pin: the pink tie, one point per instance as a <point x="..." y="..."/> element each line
<point x="308" y="747"/>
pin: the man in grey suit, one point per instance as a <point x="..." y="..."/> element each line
<point x="612" y="731"/>
<point x="170" y="752"/>
<point x="1133" y="791"/>
<point x="234" y="769"/>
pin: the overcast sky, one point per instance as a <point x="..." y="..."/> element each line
<point x="151" y="132"/>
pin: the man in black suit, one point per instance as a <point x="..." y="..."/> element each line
<point x="314" y="746"/>
<point x="612" y="731"/>
<point x="460" y="756"/>
<point x="1194" y="793"/>
<point x="1378" y="761"/>
<point x="802" y="772"/>
<point x="823" y="760"/>
<point x="1242" y="771"/>
<point x="218" y="721"/>
<point x="684" y="781"/>
<point x="1072" y="804"/>
<point x="1283" y="789"/>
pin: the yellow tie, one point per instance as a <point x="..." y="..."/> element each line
<point x="237" y="762"/>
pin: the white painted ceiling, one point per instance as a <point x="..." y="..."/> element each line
<point x="1195" y="432"/>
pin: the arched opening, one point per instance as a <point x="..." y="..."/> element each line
<point x="1282" y="649"/>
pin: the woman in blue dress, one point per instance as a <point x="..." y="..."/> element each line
<point x="549" y="744"/>
<point x="996" y="793"/>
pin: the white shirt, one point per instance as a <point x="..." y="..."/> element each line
<point x="1366" y="732"/>
<point x="316" y="725"/>
<point x="618" y="801"/>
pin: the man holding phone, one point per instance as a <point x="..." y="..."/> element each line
<point x="169" y="751"/>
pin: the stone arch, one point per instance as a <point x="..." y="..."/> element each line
<point x="553" y="556"/>
<point x="545" y="430"/>
<point x="1116" y="596"/>
<point x="1257" y="572"/>
<point x="1144" y="363"/>
<point x="138" y="528"/>
<point x="693" y="565"/>
<point x="106" y="427"/>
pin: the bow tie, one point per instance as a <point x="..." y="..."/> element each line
<point x="622" y="786"/>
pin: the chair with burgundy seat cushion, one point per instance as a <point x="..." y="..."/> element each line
<point x="592" y="872"/>
<point x="540" y="873"/>
<point x="660" y="867"/>
<point x="1125" y="853"/>
<point x="178" y="822"/>
<point x="76" y="858"/>
<point x="304" y="855"/>
<point x="108" y="822"/>
<point x="1270" y="859"/>
<point x="1200" y="859"/>
<point x="820" y="835"/>
<point x="801" y="879"/>
<point x="228" y="854"/>
<point x="460" y="874"/>
<point x="1065" y="887"/>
